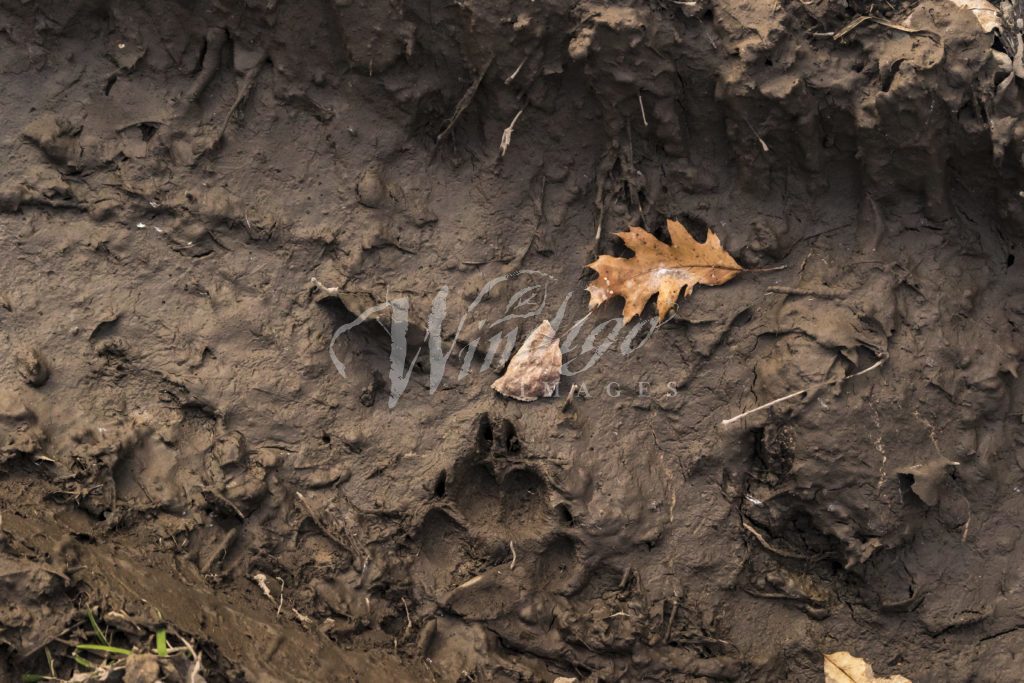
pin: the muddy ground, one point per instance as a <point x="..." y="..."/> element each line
<point x="181" y="452"/>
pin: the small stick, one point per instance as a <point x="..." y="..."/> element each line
<point x="804" y="391"/>
<point x="464" y="101"/>
<point x="671" y="618"/>
<point x="764" y="145"/>
<point x="769" y="546"/>
<point x="506" y="136"/>
<point x="197" y="658"/>
<point x="887" y="24"/>
<point x="512" y="546"/>
<point x="643" y="114"/>
<point x="408" y="619"/>
<point x="515" y="73"/>
<point x="806" y="291"/>
<point x="329" y="291"/>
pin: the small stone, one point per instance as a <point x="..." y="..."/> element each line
<point x="371" y="189"/>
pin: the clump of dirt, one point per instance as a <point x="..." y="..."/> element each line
<point x="263" y="262"/>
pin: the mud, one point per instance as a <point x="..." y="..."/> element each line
<point x="197" y="196"/>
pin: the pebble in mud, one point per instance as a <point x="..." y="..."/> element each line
<point x="371" y="189"/>
<point x="32" y="367"/>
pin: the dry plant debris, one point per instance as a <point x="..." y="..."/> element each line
<point x="659" y="268"/>
<point x="842" y="667"/>
<point x="988" y="15"/>
<point x="535" y="369"/>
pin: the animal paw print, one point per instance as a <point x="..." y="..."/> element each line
<point x="493" y="511"/>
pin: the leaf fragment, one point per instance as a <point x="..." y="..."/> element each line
<point x="842" y="667"/>
<point x="659" y="268"/>
<point x="988" y="15"/>
<point x="535" y="369"/>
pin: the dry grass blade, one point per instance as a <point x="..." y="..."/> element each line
<point x="849" y="28"/>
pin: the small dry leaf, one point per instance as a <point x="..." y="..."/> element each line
<point x="842" y="667"/>
<point x="535" y="369"/>
<point x="659" y="268"/>
<point x="987" y="14"/>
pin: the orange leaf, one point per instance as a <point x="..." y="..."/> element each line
<point x="659" y="268"/>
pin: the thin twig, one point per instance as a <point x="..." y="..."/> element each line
<point x="515" y="73"/>
<point x="887" y="24"/>
<point x="643" y="114"/>
<point x="512" y="547"/>
<point x="408" y="619"/>
<point x="805" y="390"/>
<point x="329" y="291"/>
<point x="671" y="618"/>
<point x="197" y="658"/>
<point x="506" y="136"/>
<point x="768" y="546"/>
<point x="280" y="601"/>
<point x="464" y="101"/>
<point x="764" y="145"/>
<point x="819" y="292"/>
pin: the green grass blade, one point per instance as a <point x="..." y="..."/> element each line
<point x="96" y="627"/>
<point x="84" y="662"/>
<point x="161" y="642"/>
<point x="32" y="678"/>
<point x="49" y="660"/>
<point x="104" y="648"/>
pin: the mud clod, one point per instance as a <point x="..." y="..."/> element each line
<point x="33" y="367"/>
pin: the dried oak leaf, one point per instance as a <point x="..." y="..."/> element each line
<point x="659" y="268"/>
<point x="842" y="667"/>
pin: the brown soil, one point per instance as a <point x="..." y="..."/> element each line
<point x="172" y="423"/>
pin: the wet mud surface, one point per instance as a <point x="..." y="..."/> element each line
<point x="198" y="196"/>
